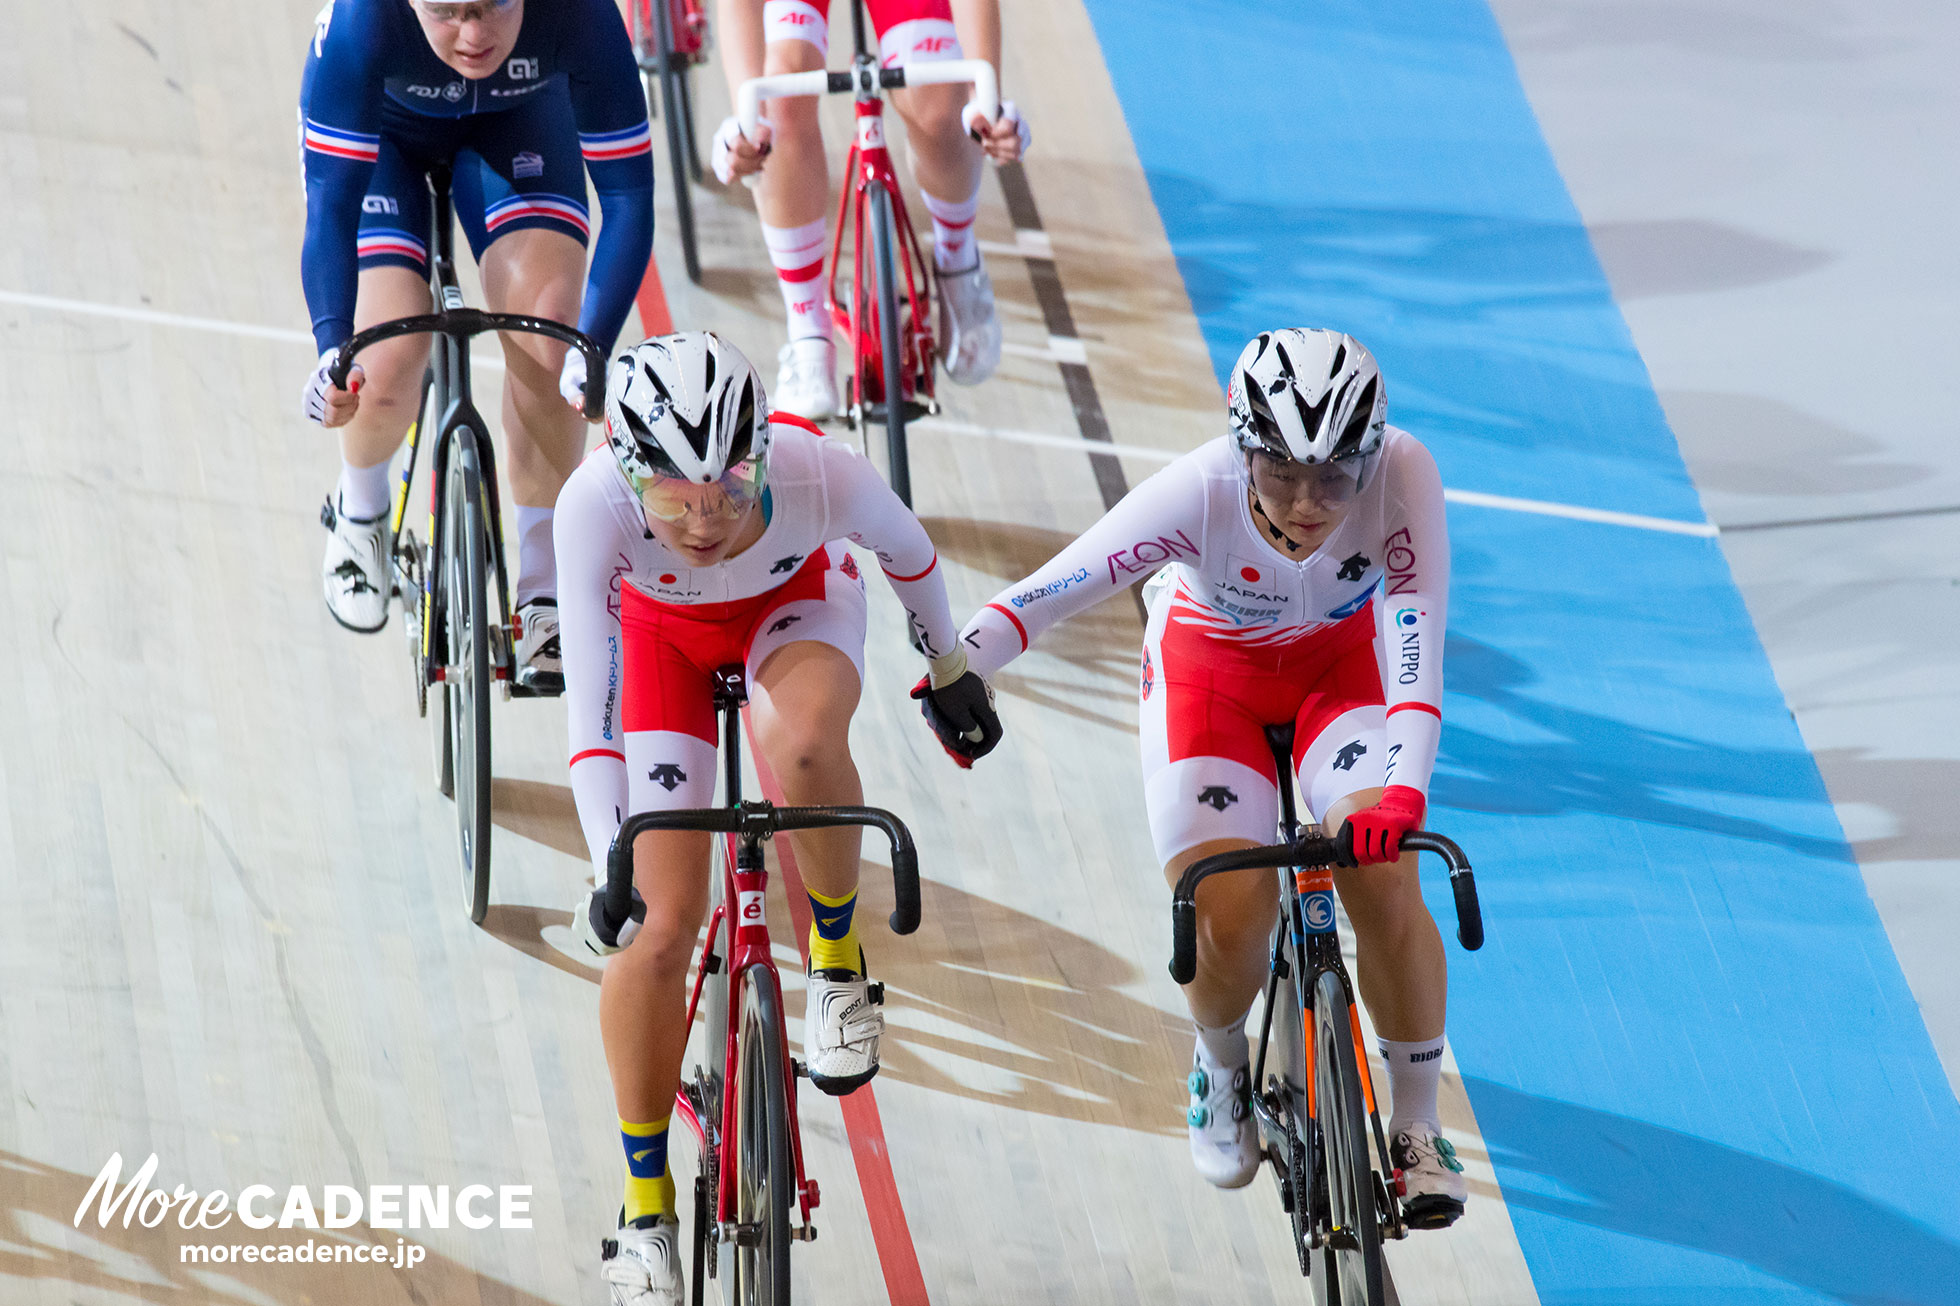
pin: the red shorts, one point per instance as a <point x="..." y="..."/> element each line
<point x="907" y="31"/>
<point x="1206" y="702"/>
<point x="671" y="653"/>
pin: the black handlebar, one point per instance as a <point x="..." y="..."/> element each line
<point x="1313" y="850"/>
<point x="760" y="820"/>
<point x="461" y="324"/>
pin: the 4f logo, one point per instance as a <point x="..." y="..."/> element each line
<point x="783" y="566"/>
<point x="668" y="776"/>
<point x="521" y="70"/>
<point x="1351" y="752"/>
<point x="1353" y="569"/>
<point x="1217" y="797"/>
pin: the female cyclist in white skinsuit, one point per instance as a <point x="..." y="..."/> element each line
<point x="706" y="534"/>
<point x="1307" y="579"/>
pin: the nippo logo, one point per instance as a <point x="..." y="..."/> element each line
<point x="1407" y="616"/>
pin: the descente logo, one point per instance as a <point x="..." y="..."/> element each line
<point x="385" y="1206"/>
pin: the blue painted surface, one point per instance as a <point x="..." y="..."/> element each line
<point x="1689" y="1045"/>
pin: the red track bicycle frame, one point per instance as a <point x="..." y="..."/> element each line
<point x="749" y="961"/>
<point x="870" y="164"/>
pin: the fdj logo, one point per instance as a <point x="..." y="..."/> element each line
<point x="1318" y="910"/>
<point x="520" y="70"/>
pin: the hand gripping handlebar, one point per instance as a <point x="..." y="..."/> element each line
<point x="759" y="820"/>
<point x="460" y="324"/>
<point x="1313" y="850"/>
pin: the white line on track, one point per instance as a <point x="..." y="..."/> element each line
<point x="1470" y="498"/>
<point x="931" y="425"/>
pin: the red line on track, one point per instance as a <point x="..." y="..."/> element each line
<point x="655" y="320"/>
<point x="905" y="1283"/>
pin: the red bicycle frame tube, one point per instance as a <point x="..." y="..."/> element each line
<point x="748" y="960"/>
<point x="870" y="164"/>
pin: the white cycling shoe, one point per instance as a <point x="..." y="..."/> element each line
<point x="842" y="1023"/>
<point x="540" y="670"/>
<point x="1224" y="1136"/>
<point x="355" y="572"/>
<point x="969" y="328"/>
<point x="1433" y="1190"/>
<point x="806" y="379"/>
<point x="642" y="1267"/>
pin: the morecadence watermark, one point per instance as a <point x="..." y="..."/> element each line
<point x="383" y="1206"/>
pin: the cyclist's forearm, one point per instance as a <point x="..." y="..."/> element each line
<point x="329" y="262"/>
<point x="978" y="25"/>
<point x="621" y="254"/>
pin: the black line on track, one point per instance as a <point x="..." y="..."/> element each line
<point x="1082" y="396"/>
<point x="1849" y="519"/>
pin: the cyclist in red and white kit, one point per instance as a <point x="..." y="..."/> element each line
<point x="1304" y="578"/>
<point x="704" y="534"/>
<point x="761" y="37"/>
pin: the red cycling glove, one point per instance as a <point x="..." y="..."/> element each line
<point x="1378" y="830"/>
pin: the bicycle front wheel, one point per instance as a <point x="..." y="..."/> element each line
<point x="467" y="679"/>
<point x="763" y="1173"/>
<point x="1353" y="1256"/>
<point x="884" y="250"/>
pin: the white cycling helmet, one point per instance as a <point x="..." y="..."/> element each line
<point x="685" y="407"/>
<point x="1308" y="395"/>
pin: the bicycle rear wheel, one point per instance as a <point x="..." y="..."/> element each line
<point x="884" y="248"/>
<point x="467" y="680"/>
<point x="1353" y="1256"/>
<point x="679" y="119"/>
<point x="760" y="1154"/>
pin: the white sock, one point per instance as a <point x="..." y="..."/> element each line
<point x="953" y="249"/>
<point x="1414" y="1071"/>
<point x="798" y="254"/>
<point x="365" y="494"/>
<point x="1226" y="1045"/>
<point x="537" y="558"/>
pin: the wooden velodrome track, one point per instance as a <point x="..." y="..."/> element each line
<point x="232" y="932"/>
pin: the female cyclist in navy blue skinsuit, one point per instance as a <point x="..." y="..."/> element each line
<point x="523" y="99"/>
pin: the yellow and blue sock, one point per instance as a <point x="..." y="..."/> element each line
<point x="649" y="1188"/>
<point x="833" y="933"/>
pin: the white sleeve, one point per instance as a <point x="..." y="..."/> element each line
<point x="1412" y="611"/>
<point x="866" y="511"/>
<point x="1162" y="518"/>
<point x="592" y="560"/>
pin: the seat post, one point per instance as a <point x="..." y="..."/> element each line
<point x="731" y="692"/>
<point x="1280" y="739"/>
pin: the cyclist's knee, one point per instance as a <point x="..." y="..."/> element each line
<point x="393" y="372"/>
<point x="662" y="950"/>
<point x="931" y="113"/>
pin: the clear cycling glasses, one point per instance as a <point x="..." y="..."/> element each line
<point x="672" y="498"/>
<point x="1328" y="484"/>
<point x="454" y="13"/>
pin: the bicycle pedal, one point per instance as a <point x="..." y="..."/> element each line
<point x="608" y="1248"/>
<point x="796" y="1064"/>
<point x="875" y="991"/>
<point x="804" y="1233"/>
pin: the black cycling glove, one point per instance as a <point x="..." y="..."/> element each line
<point x="960" y="710"/>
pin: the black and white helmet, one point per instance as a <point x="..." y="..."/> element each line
<point x="1307" y="395"/>
<point x="688" y="406"/>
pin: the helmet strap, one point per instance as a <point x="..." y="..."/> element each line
<point x="1280" y="537"/>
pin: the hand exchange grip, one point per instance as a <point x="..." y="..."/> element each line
<point x="460" y="324"/>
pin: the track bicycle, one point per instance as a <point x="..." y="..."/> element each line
<point x="453" y="585"/>
<point x="888" y="313"/>
<point x="1318" y="1113"/>
<point x="669" y="38"/>
<point x="740" y="1103"/>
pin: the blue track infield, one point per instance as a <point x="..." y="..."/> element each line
<point x="1689" y="1045"/>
